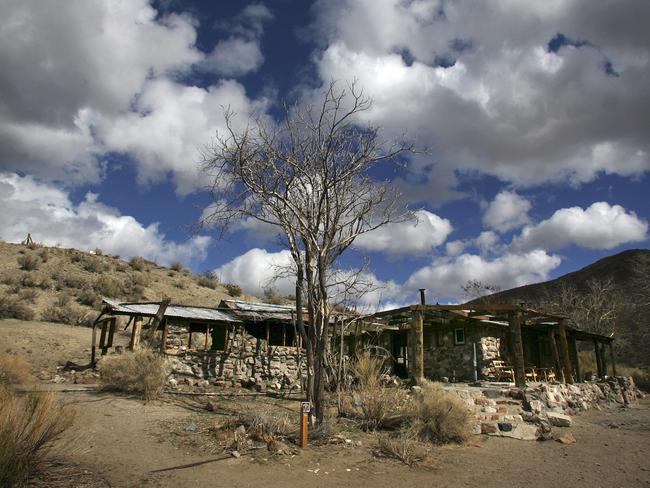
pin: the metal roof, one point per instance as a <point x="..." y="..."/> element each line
<point x="258" y="311"/>
<point x="173" y="311"/>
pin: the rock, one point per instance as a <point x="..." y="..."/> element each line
<point x="523" y="432"/>
<point x="211" y="406"/>
<point x="536" y="406"/>
<point x="489" y="428"/>
<point x="191" y="427"/>
<point x="203" y="383"/>
<point x="567" y="438"/>
<point x="559" y="419"/>
<point x="416" y="390"/>
<point x="173" y="382"/>
<point x="235" y="454"/>
<point x="241" y="430"/>
<point x="505" y="427"/>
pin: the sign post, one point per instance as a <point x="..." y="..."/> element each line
<point x="305" y="408"/>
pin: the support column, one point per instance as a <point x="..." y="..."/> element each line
<point x="102" y="337"/>
<point x="599" y="360"/>
<point x="613" y="358"/>
<point x="514" y="320"/>
<point x="111" y="332"/>
<point x="417" y="338"/>
<point x="134" y="344"/>
<point x="566" y="361"/>
<point x="160" y="314"/>
<point x="163" y="342"/>
<point x="603" y="358"/>
<point x="559" y="376"/>
<point x="207" y="337"/>
<point x="573" y="349"/>
<point x="189" y="342"/>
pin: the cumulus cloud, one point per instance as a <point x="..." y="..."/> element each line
<point x="418" y="237"/>
<point x="444" y="276"/>
<point x="49" y="215"/>
<point x="507" y="211"/>
<point x="599" y="226"/>
<point x="509" y="96"/>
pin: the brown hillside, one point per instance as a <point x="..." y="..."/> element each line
<point x="66" y="285"/>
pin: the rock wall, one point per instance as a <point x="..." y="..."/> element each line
<point x="247" y="362"/>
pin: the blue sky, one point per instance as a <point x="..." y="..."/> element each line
<point x="535" y="114"/>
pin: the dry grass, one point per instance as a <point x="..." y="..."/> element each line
<point x="233" y="290"/>
<point x="28" y="262"/>
<point x="142" y="372"/>
<point x="14" y="370"/>
<point x="14" y="308"/>
<point x="403" y="446"/>
<point x="267" y="425"/>
<point x="64" y="311"/>
<point x="30" y="426"/>
<point x="439" y="416"/>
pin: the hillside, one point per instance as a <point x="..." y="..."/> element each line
<point x="629" y="272"/>
<point x="66" y="285"/>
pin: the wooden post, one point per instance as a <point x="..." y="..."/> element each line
<point x="305" y="408"/>
<point x="189" y="342"/>
<point x="160" y="314"/>
<point x="163" y="343"/>
<point x="514" y="320"/>
<point x="603" y="358"/>
<point x="556" y="357"/>
<point x="111" y="332"/>
<point x="284" y="334"/>
<point x="564" y="346"/>
<point x="573" y="349"/>
<point x="134" y="344"/>
<point x="417" y="338"/>
<point x="207" y="336"/>
<point x="599" y="360"/>
<point x="102" y="337"/>
<point x="613" y="358"/>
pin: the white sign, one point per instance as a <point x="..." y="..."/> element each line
<point x="305" y="407"/>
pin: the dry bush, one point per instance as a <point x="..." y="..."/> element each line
<point x="71" y="280"/>
<point x="30" y="426"/>
<point x="137" y="263"/>
<point x="63" y="311"/>
<point x="266" y="425"/>
<point x="29" y="295"/>
<point x="93" y="264"/>
<point x="14" y="370"/>
<point x="142" y="372"/>
<point x="439" y="416"/>
<point x="403" y="446"/>
<point x="98" y="252"/>
<point x="108" y="287"/>
<point x="13" y="308"/>
<point x="45" y="255"/>
<point x="88" y="297"/>
<point x="176" y="266"/>
<point x="28" y="262"/>
<point x="233" y="290"/>
<point x="207" y="280"/>
<point x="640" y="376"/>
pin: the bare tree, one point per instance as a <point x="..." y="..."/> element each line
<point x="309" y="176"/>
<point x="477" y="289"/>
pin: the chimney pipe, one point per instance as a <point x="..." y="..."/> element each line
<point x="423" y="300"/>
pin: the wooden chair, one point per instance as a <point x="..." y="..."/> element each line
<point x="532" y="373"/>
<point x="503" y="370"/>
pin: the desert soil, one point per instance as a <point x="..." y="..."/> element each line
<point x="123" y="442"/>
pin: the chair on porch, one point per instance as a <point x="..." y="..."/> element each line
<point x="503" y="370"/>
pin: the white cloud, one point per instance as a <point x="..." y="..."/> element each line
<point x="509" y="104"/>
<point x="507" y="211"/>
<point x="48" y="214"/>
<point x="412" y="237"/>
<point x="444" y="277"/>
<point x="259" y="269"/>
<point x="234" y="57"/>
<point x="599" y="226"/>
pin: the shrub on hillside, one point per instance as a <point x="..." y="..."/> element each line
<point x="63" y="311"/>
<point x="176" y="266"/>
<point x="98" y="252"/>
<point x="14" y="370"/>
<point x="93" y="264"/>
<point x="14" y="308"/>
<point x="207" y="280"/>
<point x="87" y="296"/>
<point x="137" y="263"/>
<point x="73" y="280"/>
<point x="30" y="426"/>
<point x="29" y="295"/>
<point x="45" y="255"/>
<point x="142" y="372"/>
<point x="28" y="262"/>
<point x="233" y="290"/>
<point x="108" y="287"/>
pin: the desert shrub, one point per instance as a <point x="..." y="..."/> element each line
<point x="403" y="446"/>
<point x="28" y="262"/>
<point x="63" y="311"/>
<point x="176" y="266"/>
<point x="439" y="416"/>
<point x="89" y="297"/>
<point x="266" y="425"/>
<point x="32" y="245"/>
<point x="179" y="284"/>
<point x="108" y="287"/>
<point x="640" y="376"/>
<point x="98" y="252"/>
<point x="30" y="280"/>
<point x="233" y="290"/>
<point x="13" y="308"/>
<point x="75" y="256"/>
<point x="14" y="370"/>
<point x="29" y="295"/>
<point x="271" y="295"/>
<point x="72" y="280"/>
<point x="45" y="255"/>
<point x="93" y="264"/>
<point x="30" y="426"/>
<point x="207" y="280"/>
<point x="136" y="293"/>
<point x="142" y="372"/>
<point x="10" y="279"/>
<point x="137" y="263"/>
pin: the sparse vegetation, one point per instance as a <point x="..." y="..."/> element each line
<point x="64" y="311"/>
<point x="233" y="290"/>
<point x="30" y="426"/>
<point x="108" y="287"/>
<point x="45" y="255"/>
<point x="142" y="372"/>
<point x="137" y="263"/>
<point x="176" y="266"/>
<point x="403" y="446"/>
<point x="14" y="370"/>
<point x="29" y="295"/>
<point x="93" y="264"/>
<point x="98" y="252"/>
<point x="207" y="280"/>
<point x="87" y="296"/>
<point x="28" y="262"/>
<point x="14" y="308"/>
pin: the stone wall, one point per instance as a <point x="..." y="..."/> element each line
<point x="247" y="361"/>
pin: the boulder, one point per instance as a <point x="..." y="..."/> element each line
<point x="559" y="419"/>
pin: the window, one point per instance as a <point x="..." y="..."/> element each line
<point x="459" y="336"/>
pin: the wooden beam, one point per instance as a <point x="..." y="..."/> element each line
<point x="160" y="314"/>
<point x="111" y="332"/>
<point x="207" y="337"/>
<point x="603" y="358"/>
<point x="613" y="358"/>
<point x="564" y="347"/>
<point x="514" y="320"/>
<point x="417" y="339"/>
<point x="189" y="342"/>
<point x="136" y="332"/>
<point x="599" y="360"/>
<point x="163" y="342"/>
<point x="573" y="349"/>
<point x="102" y="337"/>
<point x="556" y="357"/>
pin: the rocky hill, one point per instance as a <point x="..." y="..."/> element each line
<point x="66" y="285"/>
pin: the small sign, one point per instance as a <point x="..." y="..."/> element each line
<point x="305" y="407"/>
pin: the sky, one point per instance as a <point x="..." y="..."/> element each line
<point x="534" y="118"/>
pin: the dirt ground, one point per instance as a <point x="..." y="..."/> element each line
<point x="123" y="442"/>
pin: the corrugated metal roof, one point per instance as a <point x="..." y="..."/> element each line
<point x="175" y="311"/>
<point x="258" y="311"/>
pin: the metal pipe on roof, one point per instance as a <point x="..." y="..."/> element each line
<point x="423" y="300"/>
